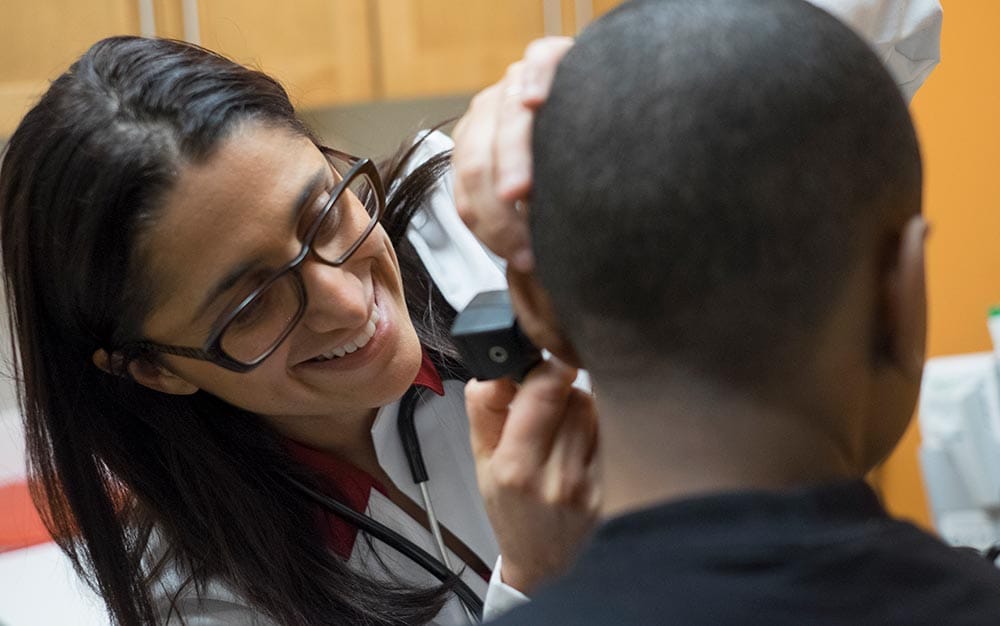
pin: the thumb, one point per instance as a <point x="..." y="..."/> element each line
<point x="487" y="403"/>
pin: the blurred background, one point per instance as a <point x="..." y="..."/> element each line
<point x="368" y="73"/>
<point x="957" y="113"/>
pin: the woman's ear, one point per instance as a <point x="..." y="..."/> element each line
<point x="146" y="373"/>
<point x="537" y="318"/>
<point x="102" y="361"/>
<point x="905" y="292"/>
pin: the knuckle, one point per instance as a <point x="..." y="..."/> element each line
<point x="551" y="393"/>
<point x="471" y="168"/>
<point x="483" y="97"/>
<point x="466" y="213"/>
<point x="537" y="47"/>
<point x="567" y="489"/>
<point x="514" y="70"/>
<point x="513" y="476"/>
<point x="543" y="51"/>
<point x="459" y="129"/>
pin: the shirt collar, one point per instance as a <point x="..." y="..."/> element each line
<point x="428" y="376"/>
<point x="730" y="516"/>
<point x="346" y="482"/>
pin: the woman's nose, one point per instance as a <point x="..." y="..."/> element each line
<point x="338" y="298"/>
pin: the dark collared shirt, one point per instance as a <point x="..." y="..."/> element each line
<point x="827" y="555"/>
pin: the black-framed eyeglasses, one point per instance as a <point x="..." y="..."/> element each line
<point x="254" y="328"/>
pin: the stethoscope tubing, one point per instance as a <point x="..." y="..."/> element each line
<point x="395" y="540"/>
<point x="440" y="569"/>
<point x="415" y="457"/>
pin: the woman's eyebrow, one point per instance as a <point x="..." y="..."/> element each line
<point x="228" y="281"/>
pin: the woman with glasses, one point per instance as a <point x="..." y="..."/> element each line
<point x="215" y="347"/>
<point x="214" y="339"/>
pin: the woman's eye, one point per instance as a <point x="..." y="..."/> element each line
<point x="254" y="311"/>
<point x="248" y="316"/>
<point x="331" y="223"/>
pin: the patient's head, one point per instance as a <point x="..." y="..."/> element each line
<point x="732" y="190"/>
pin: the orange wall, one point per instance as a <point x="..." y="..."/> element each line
<point x="958" y="116"/>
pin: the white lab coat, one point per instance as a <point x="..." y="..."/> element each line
<point x="904" y="33"/>
<point x="443" y="431"/>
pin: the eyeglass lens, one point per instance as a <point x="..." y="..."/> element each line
<point x="264" y="321"/>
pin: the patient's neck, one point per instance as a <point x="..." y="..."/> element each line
<point x="688" y="438"/>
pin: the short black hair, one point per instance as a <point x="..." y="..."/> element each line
<point x="707" y="173"/>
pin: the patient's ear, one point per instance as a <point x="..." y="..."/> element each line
<point x="905" y="296"/>
<point x="146" y="373"/>
<point x="537" y="318"/>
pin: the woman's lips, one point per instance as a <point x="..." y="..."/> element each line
<point x="373" y="345"/>
<point x="360" y="339"/>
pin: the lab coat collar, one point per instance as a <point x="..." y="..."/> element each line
<point x="347" y="482"/>
<point x="428" y="376"/>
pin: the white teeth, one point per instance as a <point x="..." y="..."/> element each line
<point x="357" y="342"/>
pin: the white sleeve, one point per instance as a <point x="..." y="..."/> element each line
<point x="458" y="264"/>
<point x="212" y="612"/>
<point x="500" y="597"/>
<point x="906" y="34"/>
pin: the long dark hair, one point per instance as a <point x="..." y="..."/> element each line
<point x="110" y="461"/>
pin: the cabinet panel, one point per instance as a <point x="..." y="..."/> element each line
<point x="319" y="49"/>
<point x="576" y="14"/>
<point x="432" y="47"/>
<point x="603" y="6"/>
<point x="39" y="40"/>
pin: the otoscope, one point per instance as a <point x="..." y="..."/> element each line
<point x="489" y="338"/>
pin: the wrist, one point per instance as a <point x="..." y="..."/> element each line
<point x="521" y="579"/>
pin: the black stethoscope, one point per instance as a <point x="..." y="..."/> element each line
<point x="440" y="567"/>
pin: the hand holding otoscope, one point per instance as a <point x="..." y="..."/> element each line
<point x="534" y="443"/>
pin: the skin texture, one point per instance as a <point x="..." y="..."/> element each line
<point x="492" y="157"/>
<point x="836" y="419"/>
<point x="535" y="449"/>
<point x="238" y="207"/>
<point x="535" y="446"/>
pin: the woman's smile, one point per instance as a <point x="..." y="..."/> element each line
<point x="365" y="346"/>
<point x="354" y="347"/>
<point x="359" y="341"/>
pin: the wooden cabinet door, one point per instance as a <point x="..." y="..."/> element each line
<point x="434" y="47"/>
<point x="603" y="6"/>
<point x="576" y="14"/>
<point x="40" y="39"/>
<point x="320" y="50"/>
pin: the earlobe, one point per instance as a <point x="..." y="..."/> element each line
<point x="159" y="378"/>
<point x="906" y="294"/>
<point x="101" y="360"/>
